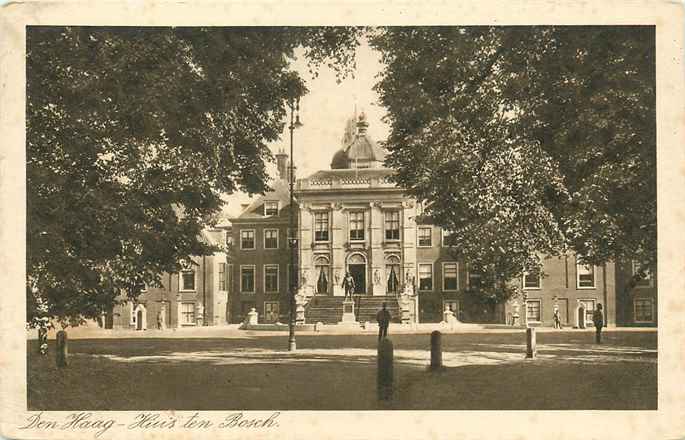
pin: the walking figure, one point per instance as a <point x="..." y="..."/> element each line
<point x="557" y="319"/>
<point x="348" y="285"/>
<point x="383" y="317"/>
<point x="598" y="320"/>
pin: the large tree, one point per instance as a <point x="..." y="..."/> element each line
<point x="132" y="136"/>
<point x="526" y="141"/>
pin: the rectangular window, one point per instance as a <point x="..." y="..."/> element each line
<point x="533" y="307"/>
<point x="425" y="277"/>
<point x="187" y="279"/>
<point x="531" y="280"/>
<point x="271" y="278"/>
<point x="425" y="237"/>
<point x="647" y="280"/>
<point x="247" y="239"/>
<point x="321" y="226"/>
<point x="644" y="311"/>
<point x="270" y="238"/>
<point x="356" y="226"/>
<point x="247" y="276"/>
<point x="449" y="276"/>
<point x="447" y="239"/>
<point x="222" y="276"/>
<point x="392" y="225"/>
<point x="271" y="208"/>
<point x="585" y="276"/>
<point x="187" y="313"/>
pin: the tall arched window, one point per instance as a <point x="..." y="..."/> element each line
<point x="322" y="266"/>
<point x="392" y="271"/>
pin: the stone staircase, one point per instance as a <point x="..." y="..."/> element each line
<point x="368" y="306"/>
<point x="328" y="309"/>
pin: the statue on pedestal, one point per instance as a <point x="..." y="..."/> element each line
<point x="348" y="285"/>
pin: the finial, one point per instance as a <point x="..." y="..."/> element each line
<point x="362" y="124"/>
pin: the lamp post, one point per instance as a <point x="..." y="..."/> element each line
<point x="294" y="105"/>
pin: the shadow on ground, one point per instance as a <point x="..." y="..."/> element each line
<point x="329" y="372"/>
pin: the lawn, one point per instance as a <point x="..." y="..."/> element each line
<point x="337" y="372"/>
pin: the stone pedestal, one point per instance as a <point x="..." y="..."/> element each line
<point x="348" y="311"/>
<point x="379" y="288"/>
<point x="300" y="301"/>
<point x="252" y="317"/>
<point x="405" y="309"/>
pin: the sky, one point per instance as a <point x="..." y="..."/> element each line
<point x="323" y="113"/>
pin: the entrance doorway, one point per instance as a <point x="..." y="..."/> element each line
<point x="139" y="317"/>
<point x="356" y="264"/>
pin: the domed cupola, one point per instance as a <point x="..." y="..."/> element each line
<point x="361" y="152"/>
<point x="340" y="160"/>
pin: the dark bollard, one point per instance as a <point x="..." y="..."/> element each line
<point x="385" y="375"/>
<point x="62" y="349"/>
<point x="436" y="350"/>
<point x="530" y="343"/>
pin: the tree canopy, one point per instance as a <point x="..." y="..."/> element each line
<point x="132" y="136"/>
<point x="526" y="141"/>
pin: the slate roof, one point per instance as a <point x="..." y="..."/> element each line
<point x="279" y="191"/>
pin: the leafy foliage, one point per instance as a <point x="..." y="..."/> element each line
<point x="132" y="135"/>
<point x="526" y="141"/>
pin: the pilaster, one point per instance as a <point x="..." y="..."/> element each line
<point x="375" y="256"/>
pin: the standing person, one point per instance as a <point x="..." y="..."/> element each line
<point x="348" y="285"/>
<point x="598" y="320"/>
<point x="383" y="317"/>
<point x="557" y="318"/>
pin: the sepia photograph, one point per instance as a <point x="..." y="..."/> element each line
<point x="248" y="221"/>
<point x="504" y="224"/>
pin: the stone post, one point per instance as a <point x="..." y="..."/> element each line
<point x="62" y="352"/>
<point x="530" y="343"/>
<point x="436" y="350"/>
<point x="385" y="377"/>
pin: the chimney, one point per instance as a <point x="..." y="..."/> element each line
<point x="282" y="164"/>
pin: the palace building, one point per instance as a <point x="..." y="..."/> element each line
<point x="352" y="218"/>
